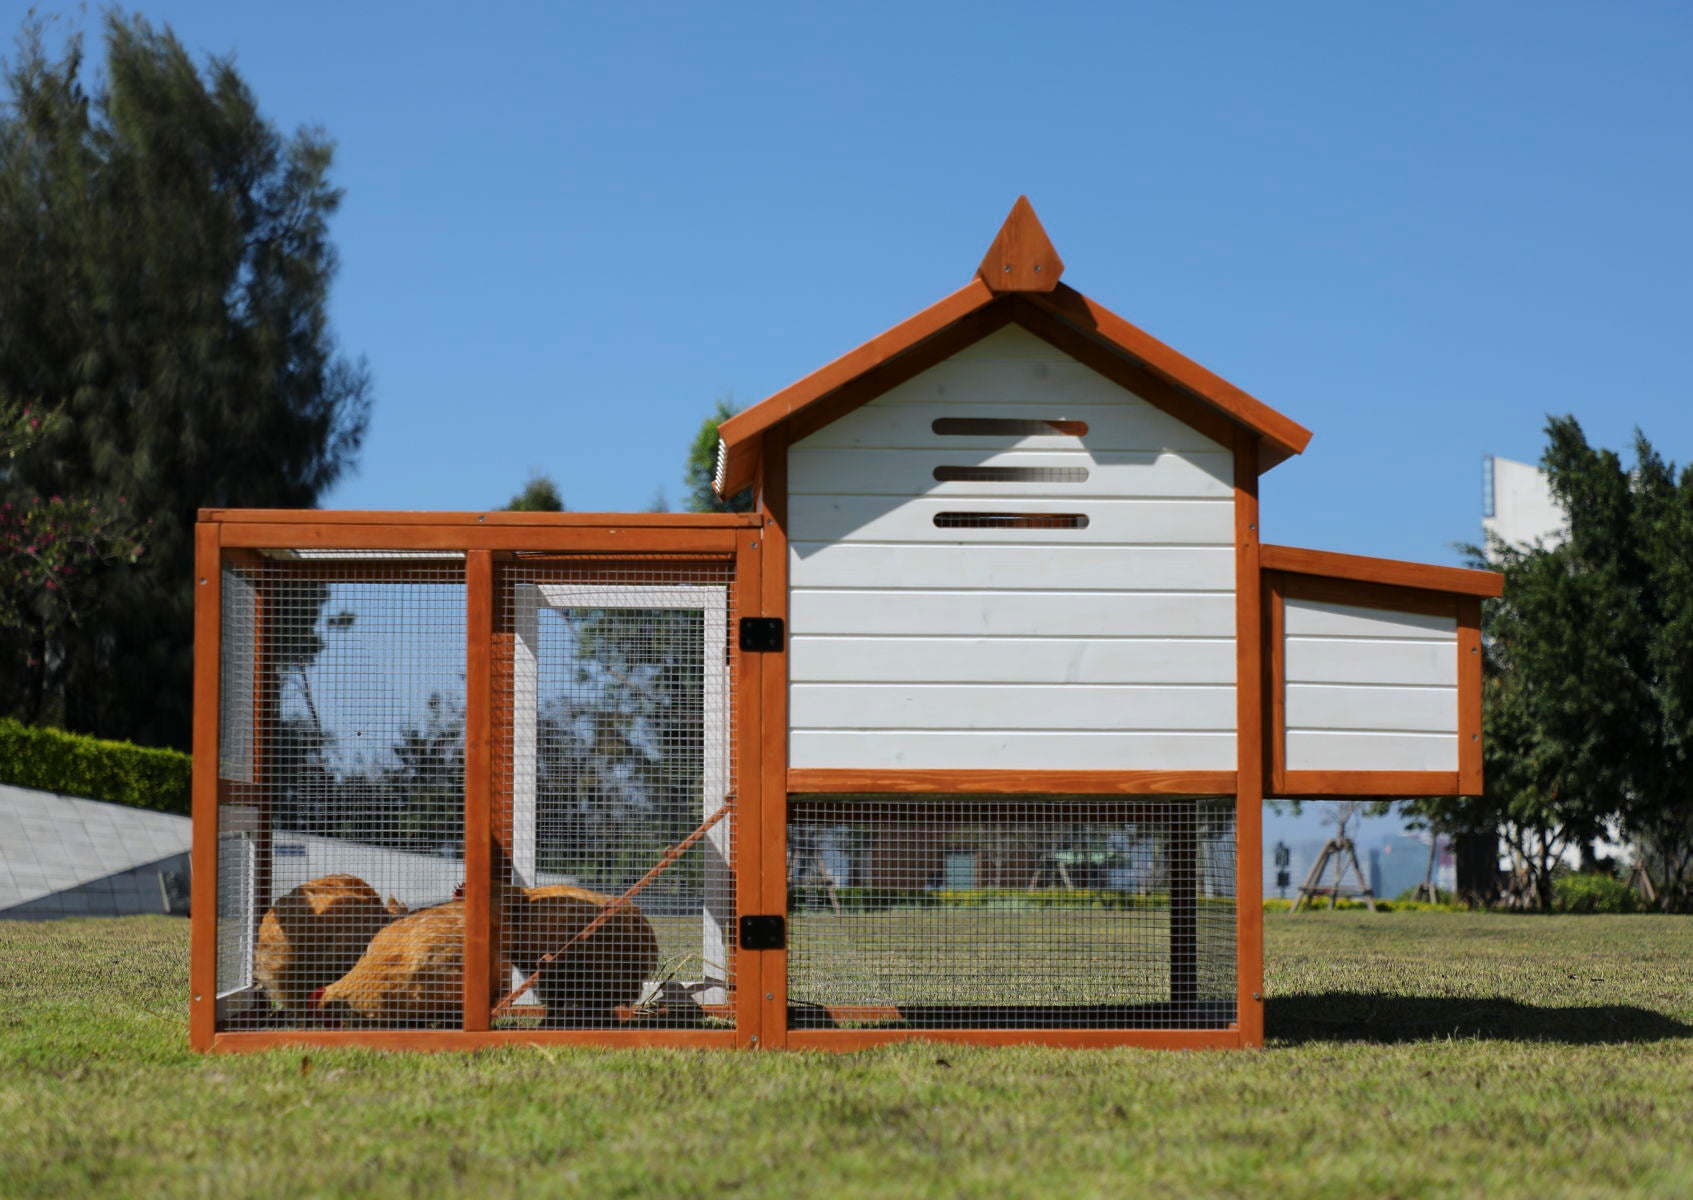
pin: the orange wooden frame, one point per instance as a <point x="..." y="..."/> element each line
<point x="232" y="537"/>
<point x="1381" y="584"/>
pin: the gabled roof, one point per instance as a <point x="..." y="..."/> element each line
<point x="1017" y="282"/>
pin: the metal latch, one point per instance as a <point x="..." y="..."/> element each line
<point x="761" y="634"/>
<point x="764" y="933"/>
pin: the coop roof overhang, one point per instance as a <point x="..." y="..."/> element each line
<point x="1016" y="283"/>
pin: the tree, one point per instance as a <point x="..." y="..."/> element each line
<point x="702" y="466"/>
<point x="540" y="494"/>
<point x="1588" y="695"/>
<point x="164" y="273"/>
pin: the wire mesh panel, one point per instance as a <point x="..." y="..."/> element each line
<point x="612" y="749"/>
<point x="1014" y="912"/>
<point x="341" y="814"/>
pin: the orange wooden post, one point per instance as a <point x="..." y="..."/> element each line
<point x="478" y="787"/>
<point x="1469" y="696"/>
<point x="745" y="970"/>
<point x="772" y="828"/>
<point x="203" y="894"/>
<point x="1249" y="763"/>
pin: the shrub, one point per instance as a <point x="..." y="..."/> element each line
<point x="74" y="764"/>
<point x="1593" y="894"/>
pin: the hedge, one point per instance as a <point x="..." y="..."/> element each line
<point x="74" y="764"/>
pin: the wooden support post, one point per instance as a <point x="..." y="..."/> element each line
<point x="1251" y="671"/>
<point x="479" y="914"/>
<point x="203" y="895"/>
<point x="771" y="883"/>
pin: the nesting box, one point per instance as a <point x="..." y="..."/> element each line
<point x="963" y="732"/>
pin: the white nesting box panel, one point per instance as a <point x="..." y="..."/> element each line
<point x="1369" y="689"/>
<point x="971" y="594"/>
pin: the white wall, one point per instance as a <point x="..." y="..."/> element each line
<point x="1104" y="648"/>
<point x="1370" y="690"/>
<point x="1521" y="508"/>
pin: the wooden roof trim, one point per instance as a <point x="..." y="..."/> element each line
<point x="561" y="520"/>
<point x="739" y="434"/>
<point x="1022" y="257"/>
<point x="1284" y="433"/>
<point x="1390" y="571"/>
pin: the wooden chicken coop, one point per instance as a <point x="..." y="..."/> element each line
<point x="962" y="732"/>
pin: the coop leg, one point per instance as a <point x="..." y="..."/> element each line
<point x="1184" y="925"/>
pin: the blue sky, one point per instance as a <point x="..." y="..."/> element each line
<point x="1417" y="229"/>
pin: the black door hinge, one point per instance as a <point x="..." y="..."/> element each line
<point x="764" y="933"/>
<point x="761" y="634"/>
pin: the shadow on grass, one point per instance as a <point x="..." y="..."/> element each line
<point x="1371" y="1017"/>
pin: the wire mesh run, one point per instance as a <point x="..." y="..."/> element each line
<point x="1013" y="912"/>
<point x="613" y="771"/>
<point x="341" y="789"/>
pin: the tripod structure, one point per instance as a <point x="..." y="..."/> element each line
<point x="1340" y="853"/>
<point x="1426" y="889"/>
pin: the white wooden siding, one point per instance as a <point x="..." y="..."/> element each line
<point x="1112" y="522"/>
<point x="1104" y="648"/>
<point x="1370" y="690"/>
<point x="1116" y="474"/>
<point x="1014" y="751"/>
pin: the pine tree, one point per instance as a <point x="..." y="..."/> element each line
<point x="702" y="466"/>
<point x="164" y="273"/>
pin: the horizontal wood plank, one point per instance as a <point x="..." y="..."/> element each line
<point x="1310" y="618"/>
<point x="1355" y="660"/>
<point x="565" y="520"/>
<point x="1163" y="1039"/>
<point x="1103" y="474"/>
<point x="814" y="519"/>
<point x="1316" y="706"/>
<point x="1382" y="570"/>
<point x="837" y="659"/>
<point x="1010" y="614"/>
<point x="877" y="706"/>
<point x="1148" y="569"/>
<point x="1333" y="750"/>
<point x="1363" y="784"/>
<point x="1011" y="783"/>
<point x="247" y="1041"/>
<point x="1066" y="750"/>
<point x="618" y="539"/>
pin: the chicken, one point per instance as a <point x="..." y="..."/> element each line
<point x="313" y="935"/>
<point x="410" y="977"/>
<point x="587" y="982"/>
<point x="412" y="973"/>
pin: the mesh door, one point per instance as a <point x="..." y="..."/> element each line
<point x="1015" y="912"/>
<point x="613" y="746"/>
<point x="341" y="821"/>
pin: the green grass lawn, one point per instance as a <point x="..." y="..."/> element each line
<point x="1411" y="1055"/>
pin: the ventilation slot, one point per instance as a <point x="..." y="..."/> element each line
<point x="1004" y="520"/>
<point x="1006" y="427"/>
<point x="1011" y="474"/>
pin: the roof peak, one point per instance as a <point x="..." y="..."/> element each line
<point x="1021" y="258"/>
